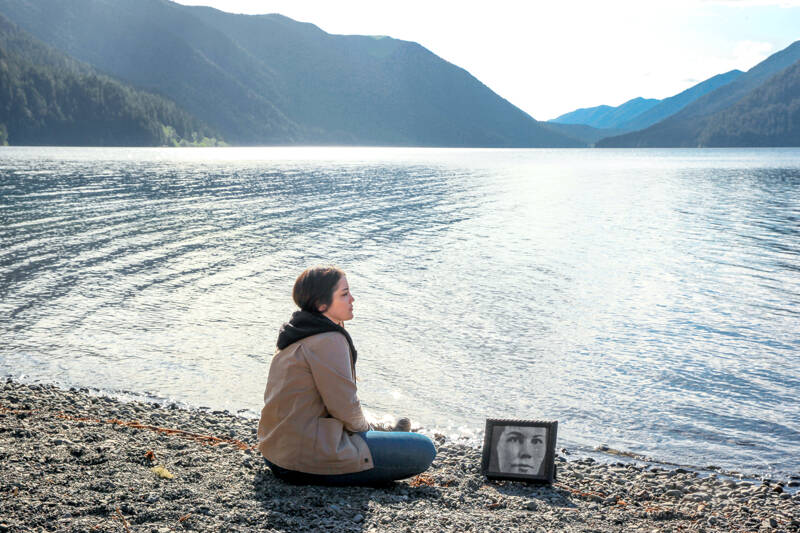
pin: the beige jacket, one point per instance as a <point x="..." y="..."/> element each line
<point x="311" y="409"/>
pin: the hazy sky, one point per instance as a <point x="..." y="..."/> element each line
<point x="551" y="57"/>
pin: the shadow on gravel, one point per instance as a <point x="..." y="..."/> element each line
<point x="291" y="507"/>
<point x="536" y="491"/>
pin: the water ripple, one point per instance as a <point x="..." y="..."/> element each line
<point x="646" y="299"/>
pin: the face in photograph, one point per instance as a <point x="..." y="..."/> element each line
<point x="521" y="450"/>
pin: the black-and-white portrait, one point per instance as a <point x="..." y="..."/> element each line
<point x="519" y="449"/>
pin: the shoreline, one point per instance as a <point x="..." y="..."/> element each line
<point x="601" y="453"/>
<point x="74" y="461"/>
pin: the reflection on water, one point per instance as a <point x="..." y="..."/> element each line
<point x="646" y="299"/>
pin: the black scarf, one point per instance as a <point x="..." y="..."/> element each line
<point x="304" y="324"/>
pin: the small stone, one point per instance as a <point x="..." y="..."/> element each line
<point x="77" y="451"/>
<point x="674" y="493"/>
<point x="698" y="497"/>
<point x="771" y="523"/>
<point x="358" y="518"/>
<point x="531" y="506"/>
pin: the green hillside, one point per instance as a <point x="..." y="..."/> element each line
<point x="768" y="116"/>
<point x="47" y="98"/>
<point x="271" y="80"/>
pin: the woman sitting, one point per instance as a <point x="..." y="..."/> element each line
<point x="312" y="429"/>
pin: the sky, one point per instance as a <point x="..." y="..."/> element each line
<point x="552" y="57"/>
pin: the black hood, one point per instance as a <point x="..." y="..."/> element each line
<point x="305" y="324"/>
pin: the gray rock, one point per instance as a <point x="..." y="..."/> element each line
<point x="222" y="488"/>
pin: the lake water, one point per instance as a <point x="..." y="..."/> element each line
<point x="648" y="300"/>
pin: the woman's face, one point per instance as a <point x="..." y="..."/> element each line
<point x="341" y="307"/>
<point x="521" y="450"/>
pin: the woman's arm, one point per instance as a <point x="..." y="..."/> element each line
<point x="329" y="361"/>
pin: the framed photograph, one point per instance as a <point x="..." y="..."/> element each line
<point x="520" y="450"/>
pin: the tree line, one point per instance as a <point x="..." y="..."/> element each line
<point x="46" y="98"/>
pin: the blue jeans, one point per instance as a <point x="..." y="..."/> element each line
<point x="395" y="455"/>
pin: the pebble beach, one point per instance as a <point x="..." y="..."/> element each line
<point x="75" y="461"/>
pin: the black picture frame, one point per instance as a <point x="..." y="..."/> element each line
<point x="498" y="459"/>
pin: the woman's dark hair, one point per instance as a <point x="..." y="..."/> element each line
<point x="314" y="287"/>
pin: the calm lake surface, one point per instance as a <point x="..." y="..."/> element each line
<point x="648" y="300"/>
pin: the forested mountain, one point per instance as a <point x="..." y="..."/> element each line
<point x="768" y="116"/>
<point x="271" y="80"/>
<point x="693" y="126"/>
<point x="605" y="116"/>
<point x="47" y="97"/>
<point x="673" y="104"/>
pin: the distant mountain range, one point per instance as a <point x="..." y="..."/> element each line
<point x="270" y="80"/>
<point x="153" y="72"/>
<point x="720" y="117"/>
<point x="673" y="104"/>
<point x="756" y="108"/>
<point x="592" y="124"/>
<point x="605" y="116"/>
<point x="640" y="113"/>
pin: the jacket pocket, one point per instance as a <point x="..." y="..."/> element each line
<point x="329" y="439"/>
